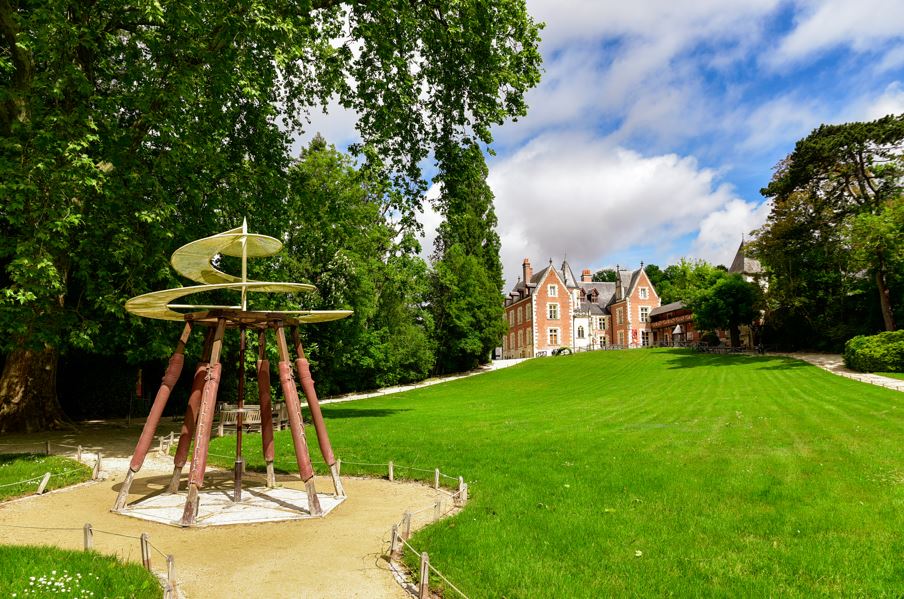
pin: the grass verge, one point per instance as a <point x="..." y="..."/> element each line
<point x="655" y="472"/>
<point x="30" y="571"/>
<point x="20" y="473"/>
<point x="894" y="375"/>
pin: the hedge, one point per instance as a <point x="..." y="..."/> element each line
<point x="876" y="353"/>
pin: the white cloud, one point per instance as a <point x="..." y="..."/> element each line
<point x="780" y="121"/>
<point x="865" y="25"/>
<point x="890" y="102"/>
<point x="572" y="193"/>
<point x="721" y="231"/>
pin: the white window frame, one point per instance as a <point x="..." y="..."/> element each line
<point x="620" y="315"/>
<point x="550" y="308"/>
<point x="581" y="332"/>
<point x="645" y="338"/>
<point x="549" y="334"/>
<point x="643" y="313"/>
<point x="520" y="313"/>
<point x="552" y="290"/>
<point x="644" y="293"/>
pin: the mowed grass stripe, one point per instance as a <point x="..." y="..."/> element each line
<point x="730" y="475"/>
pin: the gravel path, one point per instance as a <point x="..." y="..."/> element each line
<point x="834" y="363"/>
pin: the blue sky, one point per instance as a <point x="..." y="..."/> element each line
<point x="657" y="122"/>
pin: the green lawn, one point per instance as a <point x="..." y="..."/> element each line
<point x="649" y="472"/>
<point x="50" y="572"/>
<point x="17" y="467"/>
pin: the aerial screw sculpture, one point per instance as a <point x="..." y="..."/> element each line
<point x="195" y="261"/>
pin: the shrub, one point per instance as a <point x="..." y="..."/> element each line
<point x="876" y="353"/>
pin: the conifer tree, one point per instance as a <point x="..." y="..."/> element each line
<point x="466" y="294"/>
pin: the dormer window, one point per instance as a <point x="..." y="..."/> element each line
<point x="552" y="291"/>
<point x="644" y="293"/>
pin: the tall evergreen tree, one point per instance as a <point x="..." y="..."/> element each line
<point x="466" y="296"/>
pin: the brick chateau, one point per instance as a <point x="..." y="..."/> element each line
<point x="552" y="309"/>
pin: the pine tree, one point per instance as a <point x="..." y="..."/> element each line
<point x="466" y="294"/>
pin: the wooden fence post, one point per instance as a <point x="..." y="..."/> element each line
<point x="47" y="447"/>
<point x="437" y="509"/>
<point x="464" y="494"/>
<point x="424" y="586"/>
<point x="395" y="548"/>
<point x="43" y="484"/>
<point x="436" y="479"/>
<point x="338" y="466"/>
<point x="89" y="537"/>
<point x="172" y="438"/>
<point x="170" y="576"/>
<point x="160" y="446"/>
<point x="406" y="526"/>
<point x="78" y="454"/>
<point x="95" y="474"/>
<point x="391" y="471"/>
<point x="146" y="551"/>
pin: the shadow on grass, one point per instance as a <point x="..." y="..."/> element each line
<point x="693" y="359"/>
<point x="332" y="413"/>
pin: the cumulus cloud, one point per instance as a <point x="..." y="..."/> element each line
<point x="866" y="25"/>
<point x="721" y="231"/>
<point x="890" y="102"/>
<point x="590" y="198"/>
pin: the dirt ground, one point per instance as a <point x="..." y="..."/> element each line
<point x="337" y="556"/>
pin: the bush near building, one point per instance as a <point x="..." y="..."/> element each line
<point x="876" y="353"/>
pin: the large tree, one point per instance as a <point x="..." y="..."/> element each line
<point x="127" y="128"/>
<point x="728" y="304"/>
<point x="466" y="297"/>
<point x="836" y="175"/>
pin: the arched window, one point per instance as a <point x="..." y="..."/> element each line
<point x="580" y="332"/>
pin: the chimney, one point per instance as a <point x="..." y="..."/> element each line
<point x="618" y="286"/>
<point x="586" y="276"/>
<point x="527" y="271"/>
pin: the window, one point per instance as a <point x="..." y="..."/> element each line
<point x="511" y="317"/>
<point x="580" y="332"/>
<point x="621" y="337"/>
<point x="520" y="312"/>
<point x="644" y="313"/>
<point x="645" y="338"/>
<point x="644" y="293"/>
<point x="553" y="336"/>
<point x="620" y="316"/>
<point x="552" y="291"/>
<point x="552" y="311"/>
<point x="511" y="340"/>
<point x="520" y="338"/>
<point x="603" y="341"/>
<point x="528" y="313"/>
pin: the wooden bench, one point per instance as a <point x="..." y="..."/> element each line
<point x="227" y="417"/>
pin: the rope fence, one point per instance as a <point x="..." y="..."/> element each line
<point x="167" y="579"/>
<point x="401" y="531"/>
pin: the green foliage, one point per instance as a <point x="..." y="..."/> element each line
<point x="685" y="281"/>
<point x="126" y="130"/>
<point x="740" y="475"/>
<point x="876" y="353"/>
<point x="33" y="571"/>
<point x="466" y="287"/>
<point x="832" y="242"/>
<point x="729" y="303"/>
<point x="342" y="243"/>
<point x="606" y="275"/>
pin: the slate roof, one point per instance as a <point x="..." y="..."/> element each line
<point x="667" y="308"/>
<point x="744" y="264"/>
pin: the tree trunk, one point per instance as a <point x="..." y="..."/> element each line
<point x="734" y="333"/>
<point x="888" y="313"/>
<point x="28" y="397"/>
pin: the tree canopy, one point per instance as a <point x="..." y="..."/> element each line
<point x="834" y="231"/>
<point x="466" y="295"/>
<point x="127" y="129"/>
<point x="729" y="303"/>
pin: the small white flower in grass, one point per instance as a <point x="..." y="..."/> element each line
<point x="638" y="553"/>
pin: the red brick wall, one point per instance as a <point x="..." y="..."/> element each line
<point x="563" y="323"/>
